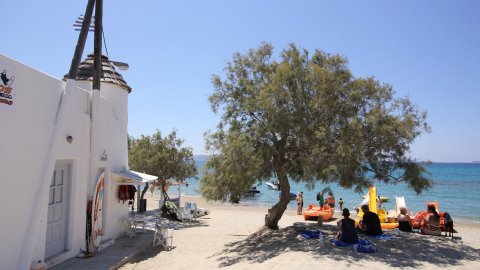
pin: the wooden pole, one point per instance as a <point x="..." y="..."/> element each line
<point x="82" y="37"/>
<point x="97" y="46"/>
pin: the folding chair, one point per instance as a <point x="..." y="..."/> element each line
<point x="193" y="210"/>
<point x="163" y="236"/>
<point x="189" y="212"/>
<point x="139" y="222"/>
<point x="129" y="227"/>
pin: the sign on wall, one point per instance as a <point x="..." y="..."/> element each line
<point x="7" y="91"/>
<point x="103" y="155"/>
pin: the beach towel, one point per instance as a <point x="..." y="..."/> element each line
<point x="311" y="234"/>
<point x="172" y="211"/>
<point x="366" y="247"/>
<point x="339" y="243"/>
<point x="382" y="237"/>
<point x="363" y="246"/>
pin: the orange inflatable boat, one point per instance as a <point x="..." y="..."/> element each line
<point x="419" y="219"/>
<point x="314" y="211"/>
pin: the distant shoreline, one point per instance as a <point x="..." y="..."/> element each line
<point x="206" y="157"/>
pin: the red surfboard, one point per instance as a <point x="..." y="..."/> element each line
<point x="97" y="207"/>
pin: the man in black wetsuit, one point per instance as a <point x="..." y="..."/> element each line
<point x="370" y="224"/>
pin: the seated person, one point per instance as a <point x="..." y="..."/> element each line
<point x="370" y="224"/>
<point x="330" y="200"/>
<point x="347" y="232"/>
<point x="431" y="223"/>
<point x="404" y="221"/>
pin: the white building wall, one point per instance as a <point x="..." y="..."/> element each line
<point x="110" y="132"/>
<point x="25" y="137"/>
<point x="27" y="148"/>
<point x="109" y="136"/>
<point x="77" y="155"/>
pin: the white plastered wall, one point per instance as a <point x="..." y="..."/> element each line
<point x="77" y="155"/>
<point x="31" y="136"/>
<point x="109" y="136"/>
<point x="25" y="136"/>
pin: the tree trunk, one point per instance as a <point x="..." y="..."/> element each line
<point x="144" y="191"/>
<point x="163" y="190"/>
<point x="275" y="213"/>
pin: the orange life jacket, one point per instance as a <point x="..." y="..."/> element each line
<point x="330" y="200"/>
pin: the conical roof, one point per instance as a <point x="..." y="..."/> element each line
<point x="109" y="74"/>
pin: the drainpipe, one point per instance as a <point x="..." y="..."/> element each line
<point x="37" y="219"/>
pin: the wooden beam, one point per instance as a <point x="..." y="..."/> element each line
<point x="97" y="45"/>
<point x="82" y="37"/>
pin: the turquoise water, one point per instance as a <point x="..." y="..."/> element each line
<point x="456" y="188"/>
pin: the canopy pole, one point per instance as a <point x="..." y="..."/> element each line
<point x="138" y="198"/>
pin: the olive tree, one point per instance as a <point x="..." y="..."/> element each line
<point x="304" y="117"/>
<point x="161" y="156"/>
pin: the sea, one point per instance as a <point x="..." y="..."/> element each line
<point x="456" y="188"/>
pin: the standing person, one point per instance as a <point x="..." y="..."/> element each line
<point x="347" y="232"/>
<point x="370" y="224"/>
<point x="320" y="199"/>
<point x="340" y="203"/>
<point x="299" y="203"/>
<point x="331" y="200"/>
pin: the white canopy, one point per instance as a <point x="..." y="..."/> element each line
<point x="132" y="178"/>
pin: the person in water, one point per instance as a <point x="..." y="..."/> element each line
<point x="347" y="232"/>
<point x="370" y="224"/>
<point x="299" y="203"/>
<point x="340" y="203"/>
<point x="404" y="220"/>
<point x="432" y="222"/>
<point x="320" y="199"/>
<point x="331" y="200"/>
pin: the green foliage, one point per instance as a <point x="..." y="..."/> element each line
<point x="306" y="117"/>
<point x="229" y="176"/>
<point x="161" y="156"/>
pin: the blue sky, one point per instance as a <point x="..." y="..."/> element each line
<point x="428" y="51"/>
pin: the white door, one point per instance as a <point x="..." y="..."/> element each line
<point x="57" y="212"/>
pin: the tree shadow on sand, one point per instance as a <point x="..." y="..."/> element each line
<point x="406" y="250"/>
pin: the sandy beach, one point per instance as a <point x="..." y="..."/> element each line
<point x="233" y="237"/>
